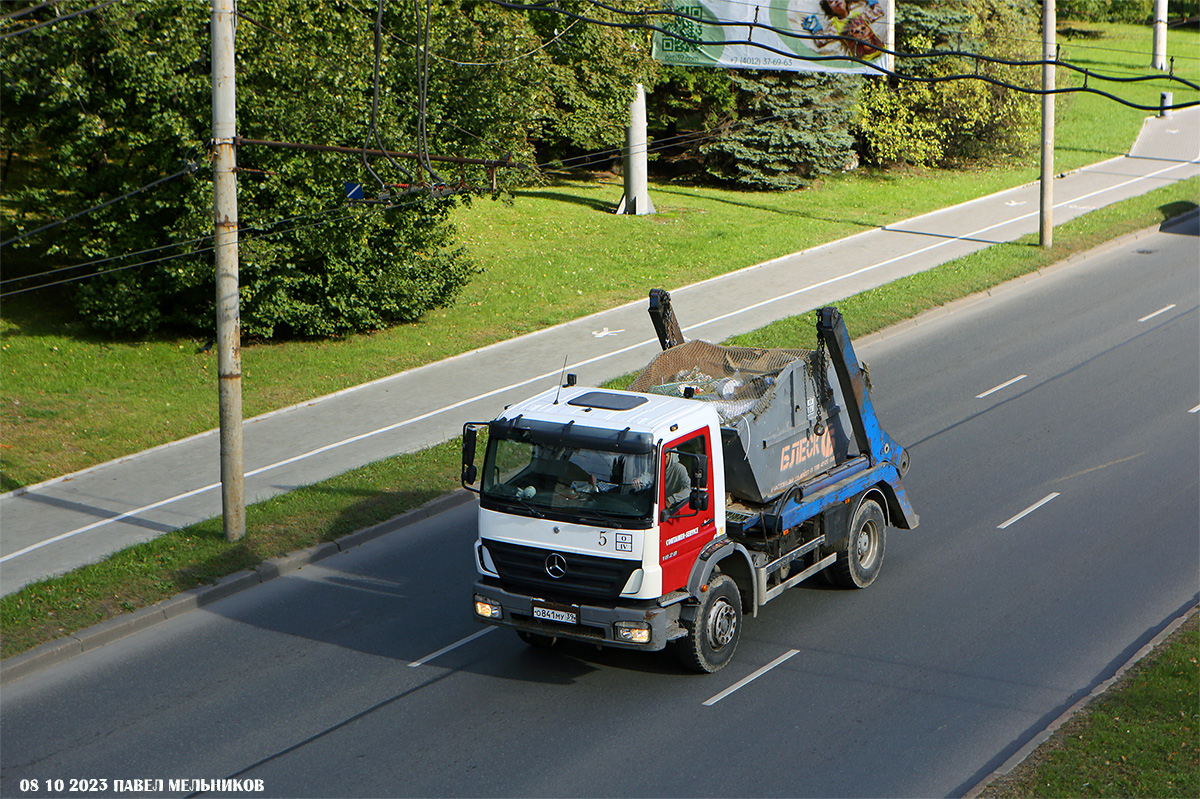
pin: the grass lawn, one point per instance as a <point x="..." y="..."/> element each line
<point x="69" y="399"/>
<point x="1141" y="738"/>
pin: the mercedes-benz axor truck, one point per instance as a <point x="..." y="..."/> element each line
<point x="666" y="514"/>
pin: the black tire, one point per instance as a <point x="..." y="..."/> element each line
<point x="860" y="555"/>
<point x="537" y="640"/>
<point x="712" y="638"/>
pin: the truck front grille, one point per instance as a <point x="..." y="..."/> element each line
<point x="523" y="568"/>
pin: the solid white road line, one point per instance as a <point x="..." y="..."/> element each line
<point x="446" y="649"/>
<point x="454" y="406"/>
<point x="1195" y="410"/>
<point x="1148" y="317"/>
<point x="1029" y="510"/>
<point x="1002" y="385"/>
<point x="747" y="680"/>
<point x="116" y="518"/>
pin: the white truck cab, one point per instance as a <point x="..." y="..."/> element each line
<point x="596" y="495"/>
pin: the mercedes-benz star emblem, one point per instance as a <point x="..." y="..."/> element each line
<point x="556" y="565"/>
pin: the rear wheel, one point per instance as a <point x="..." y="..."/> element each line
<point x="713" y="636"/>
<point x="861" y="554"/>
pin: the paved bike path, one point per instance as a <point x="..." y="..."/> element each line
<point x="65" y="523"/>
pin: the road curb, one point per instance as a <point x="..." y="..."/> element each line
<point x="63" y="649"/>
<point x="1043" y="736"/>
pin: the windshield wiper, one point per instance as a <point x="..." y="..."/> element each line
<point x="529" y="507"/>
<point x="598" y="515"/>
<point x="516" y="497"/>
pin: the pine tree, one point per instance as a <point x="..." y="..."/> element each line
<point x="789" y="128"/>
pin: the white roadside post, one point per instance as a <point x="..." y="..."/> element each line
<point x="637" y="193"/>
<point x="1159" y="59"/>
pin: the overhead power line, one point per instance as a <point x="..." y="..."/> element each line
<point x="978" y="58"/>
<point x="29" y="10"/>
<point x="189" y="169"/>
<point x="56" y="20"/>
<point x="422" y="75"/>
<point x="373" y="127"/>
<point x="189" y="253"/>
<point x="330" y="148"/>
<point x="658" y="145"/>
<point x="501" y="62"/>
<point x="148" y="250"/>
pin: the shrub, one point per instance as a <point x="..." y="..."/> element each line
<point x="929" y="121"/>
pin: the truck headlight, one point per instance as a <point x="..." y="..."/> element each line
<point x="487" y="608"/>
<point x="634" y="632"/>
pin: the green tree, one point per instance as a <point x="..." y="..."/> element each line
<point x="104" y="103"/>
<point x="789" y="128"/>
<point x="939" y="123"/>
<point x="683" y="109"/>
<point x="591" y="70"/>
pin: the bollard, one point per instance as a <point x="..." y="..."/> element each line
<point x="1164" y="104"/>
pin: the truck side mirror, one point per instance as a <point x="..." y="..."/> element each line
<point x="469" y="472"/>
<point x="700" y="471"/>
<point x="698" y="500"/>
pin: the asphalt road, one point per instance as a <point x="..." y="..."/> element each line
<point x="54" y="527"/>
<point x="364" y="675"/>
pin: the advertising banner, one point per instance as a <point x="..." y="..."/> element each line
<point x="728" y="33"/>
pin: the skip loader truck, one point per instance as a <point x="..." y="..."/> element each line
<point x="665" y="514"/>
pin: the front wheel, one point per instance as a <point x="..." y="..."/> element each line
<point x="860" y="556"/>
<point x="713" y="635"/>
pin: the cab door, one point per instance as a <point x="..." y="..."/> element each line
<point x="685" y="465"/>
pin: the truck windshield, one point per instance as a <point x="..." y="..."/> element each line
<point x="571" y="483"/>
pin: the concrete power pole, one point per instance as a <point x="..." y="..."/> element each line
<point x="1049" y="23"/>
<point x="225" y="241"/>
<point x="637" y="193"/>
<point x="1159" y="61"/>
<point x="889" y="36"/>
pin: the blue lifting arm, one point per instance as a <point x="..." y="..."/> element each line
<point x="879" y="448"/>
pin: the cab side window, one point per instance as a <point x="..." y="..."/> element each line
<point x="678" y="470"/>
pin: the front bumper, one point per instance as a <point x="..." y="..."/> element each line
<point x="597" y="623"/>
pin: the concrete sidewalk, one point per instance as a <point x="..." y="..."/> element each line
<point x="79" y="519"/>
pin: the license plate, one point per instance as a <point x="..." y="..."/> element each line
<point x="563" y="615"/>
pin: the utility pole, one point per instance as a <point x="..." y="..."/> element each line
<point x="225" y="241"/>
<point x="889" y="36"/>
<point x="1159" y="61"/>
<point x="1049" y="23"/>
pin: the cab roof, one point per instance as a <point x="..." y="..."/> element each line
<point x="662" y="417"/>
